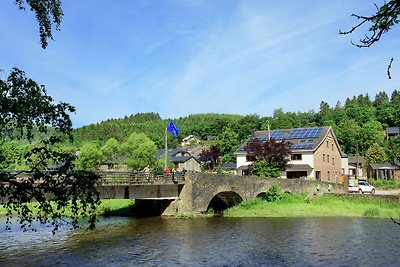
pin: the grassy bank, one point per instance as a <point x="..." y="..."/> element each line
<point x="108" y="207"/>
<point x="298" y="205"/>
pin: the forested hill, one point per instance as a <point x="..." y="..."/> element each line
<point x="358" y="122"/>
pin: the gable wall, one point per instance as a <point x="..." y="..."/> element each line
<point x="327" y="160"/>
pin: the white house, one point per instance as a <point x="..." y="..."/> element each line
<point x="315" y="153"/>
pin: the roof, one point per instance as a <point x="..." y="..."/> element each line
<point x="393" y="130"/>
<point x="384" y="166"/>
<point x="353" y="159"/>
<point x="176" y="155"/>
<point x="301" y="139"/>
<point x="298" y="167"/>
<point x="172" y="152"/>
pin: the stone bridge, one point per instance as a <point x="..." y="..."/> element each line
<point x="202" y="191"/>
<point x="197" y="192"/>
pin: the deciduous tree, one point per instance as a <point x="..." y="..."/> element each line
<point x="25" y="107"/>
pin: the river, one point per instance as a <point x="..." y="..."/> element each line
<point x="219" y="241"/>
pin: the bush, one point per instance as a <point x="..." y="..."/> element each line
<point x="266" y="169"/>
<point x="274" y="193"/>
<point x="385" y="184"/>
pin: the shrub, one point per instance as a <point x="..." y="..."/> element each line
<point x="274" y="193"/>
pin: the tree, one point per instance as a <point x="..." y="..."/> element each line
<point x="275" y="153"/>
<point x="25" y="109"/>
<point x="110" y="150"/>
<point x="381" y="22"/>
<point x="210" y="157"/>
<point x="139" y="151"/>
<point x="375" y="154"/>
<point x="229" y="142"/>
<point x="266" y="169"/>
<point x="90" y="156"/>
<point x="394" y="151"/>
<point x="48" y="12"/>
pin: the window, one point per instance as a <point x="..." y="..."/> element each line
<point x="332" y="147"/>
<point x="323" y="157"/>
<point x="295" y="157"/>
<point x="329" y="175"/>
<point x="327" y="144"/>
<point x="333" y="161"/>
<point x="327" y="158"/>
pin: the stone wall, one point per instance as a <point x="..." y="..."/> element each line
<point x="200" y="188"/>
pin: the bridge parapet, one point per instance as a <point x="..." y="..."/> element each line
<point x="138" y="178"/>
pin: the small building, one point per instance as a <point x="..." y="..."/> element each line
<point x="392" y="132"/>
<point x="383" y="171"/>
<point x="355" y="169"/>
<point x="190" y="140"/>
<point x="315" y="153"/>
<point x="212" y="138"/>
<point x="181" y="158"/>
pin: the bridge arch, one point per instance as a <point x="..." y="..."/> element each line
<point x="224" y="200"/>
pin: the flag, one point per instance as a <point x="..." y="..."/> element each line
<point x="173" y="128"/>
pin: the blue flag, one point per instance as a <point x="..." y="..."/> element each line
<point x="172" y="128"/>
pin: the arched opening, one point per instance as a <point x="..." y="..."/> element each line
<point x="223" y="201"/>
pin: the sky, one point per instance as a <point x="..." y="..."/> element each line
<point x="114" y="58"/>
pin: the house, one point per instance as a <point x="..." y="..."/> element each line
<point x="190" y="140"/>
<point x="355" y="166"/>
<point x="315" y="153"/>
<point x="392" y="132"/>
<point x="383" y="171"/>
<point x="181" y="158"/>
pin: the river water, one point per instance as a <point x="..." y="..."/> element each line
<point x="208" y="242"/>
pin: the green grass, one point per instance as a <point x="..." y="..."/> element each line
<point x="108" y="207"/>
<point x="327" y="205"/>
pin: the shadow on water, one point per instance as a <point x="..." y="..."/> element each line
<point x="140" y="209"/>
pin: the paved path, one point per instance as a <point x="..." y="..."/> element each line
<point x="387" y="192"/>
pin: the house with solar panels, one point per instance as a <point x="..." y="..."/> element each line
<point x="315" y="153"/>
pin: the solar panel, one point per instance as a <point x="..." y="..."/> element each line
<point x="302" y="133"/>
<point x="301" y="146"/>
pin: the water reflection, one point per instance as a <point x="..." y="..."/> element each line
<point x="209" y="242"/>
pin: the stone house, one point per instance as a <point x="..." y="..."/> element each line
<point x="181" y="158"/>
<point x="315" y="153"/>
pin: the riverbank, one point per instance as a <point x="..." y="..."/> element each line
<point x="300" y="205"/>
<point x="290" y="205"/>
<point x="108" y="207"/>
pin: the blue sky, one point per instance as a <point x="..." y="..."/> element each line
<point x="182" y="57"/>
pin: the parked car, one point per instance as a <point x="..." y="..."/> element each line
<point x="353" y="188"/>
<point x="365" y="187"/>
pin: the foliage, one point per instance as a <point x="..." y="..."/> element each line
<point x="274" y="193"/>
<point x="385" y="184"/>
<point x="266" y="169"/>
<point x="229" y="143"/>
<point x="274" y="152"/>
<point x="139" y="151"/>
<point x="25" y="110"/>
<point x="48" y="12"/>
<point x="375" y="154"/>
<point x="90" y="156"/>
<point x="210" y="157"/>
<point x="111" y="150"/>
<point x="380" y="23"/>
<point x="393" y="150"/>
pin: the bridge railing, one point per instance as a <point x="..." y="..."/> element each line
<point x="122" y="177"/>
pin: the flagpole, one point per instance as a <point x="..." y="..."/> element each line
<point x="166" y="148"/>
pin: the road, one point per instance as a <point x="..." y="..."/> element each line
<point x="387" y="192"/>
